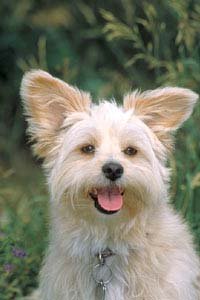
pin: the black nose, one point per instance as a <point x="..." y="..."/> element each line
<point x="112" y="170"/>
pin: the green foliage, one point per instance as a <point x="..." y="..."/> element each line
<point x="23" y="233"/>
<point x="107" y="48"/>
<point x="164" y="37"/>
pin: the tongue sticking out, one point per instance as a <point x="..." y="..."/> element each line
<point x="110" y="199"/>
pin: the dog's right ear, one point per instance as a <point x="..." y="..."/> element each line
<point x="47" y="102"/>
<point x="164" y="110"/>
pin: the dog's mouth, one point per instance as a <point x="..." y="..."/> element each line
<point x="108" y="200"/>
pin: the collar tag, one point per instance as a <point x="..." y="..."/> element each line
<point x="102" y="273"/>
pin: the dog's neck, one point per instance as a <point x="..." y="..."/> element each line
<point x="84" y="241"/>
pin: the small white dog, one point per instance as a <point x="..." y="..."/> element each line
<point x="113" y="234"/>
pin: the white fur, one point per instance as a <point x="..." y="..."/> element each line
<point x="154" y="253"/>
<point x="160" y="266"/>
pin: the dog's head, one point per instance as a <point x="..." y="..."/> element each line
<point x="103" y="160"/>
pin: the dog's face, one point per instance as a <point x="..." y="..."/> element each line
<point x="103" y="160"/>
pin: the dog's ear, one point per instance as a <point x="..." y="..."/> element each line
<point x="163" y="109"/>
<point x="47" y="102"/>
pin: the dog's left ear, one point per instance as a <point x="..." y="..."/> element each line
<point x="163" y="109"/>
<point x="47" y="102"/>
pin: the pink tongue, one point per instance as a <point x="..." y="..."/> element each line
<point x="110" y="199"/>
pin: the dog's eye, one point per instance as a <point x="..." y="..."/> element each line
<point x="88" y="149"/>
<point x="130" y="151"/>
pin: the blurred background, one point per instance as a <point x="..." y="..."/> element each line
<point x="105" y="47"/>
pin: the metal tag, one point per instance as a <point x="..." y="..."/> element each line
<point x="101" y="291"/>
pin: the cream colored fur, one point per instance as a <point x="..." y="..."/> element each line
<point x="154" y="253"/>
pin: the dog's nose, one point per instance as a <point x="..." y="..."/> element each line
<point x="112" y="170"/>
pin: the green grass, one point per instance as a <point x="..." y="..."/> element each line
<point x="23" y="225"/>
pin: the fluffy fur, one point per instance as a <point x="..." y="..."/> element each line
<point x="154" y="253"/>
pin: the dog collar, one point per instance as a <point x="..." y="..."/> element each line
<point x="102" y="255"/>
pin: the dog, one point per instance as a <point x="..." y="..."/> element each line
<point x="113" y="233"/>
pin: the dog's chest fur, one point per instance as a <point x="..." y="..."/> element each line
<point x="73" y="259"/>
<point x="73" y="273"/>
<point x="142" y="268"/>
